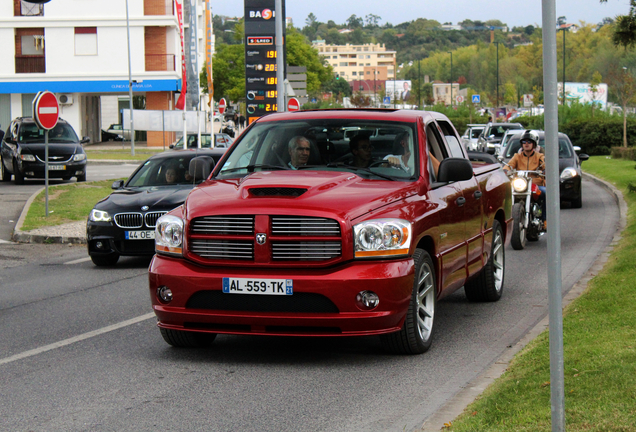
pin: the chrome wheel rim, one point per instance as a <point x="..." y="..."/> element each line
<point x="498" y="259"/>
<point x="425" y="301"/>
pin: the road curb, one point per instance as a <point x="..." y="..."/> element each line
<point x="458" y="403"/>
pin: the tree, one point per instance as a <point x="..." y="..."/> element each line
<point x="372" y="20"/>
<point x="353" y="21"/>
<point x="623" y="85"/>
<point x="625" y="27"/>
<point x="229" y="72"/>
<point x="311" y="20"/>
<point x="359" y="100"/>
<point x="594" y="83"/>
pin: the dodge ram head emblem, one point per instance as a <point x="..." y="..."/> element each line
<point x="261" y="238"/>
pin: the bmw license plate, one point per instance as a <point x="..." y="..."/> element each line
<point x="140" y="235"/>
<point x="258" y="286"/>
<point x="57" y="167"/>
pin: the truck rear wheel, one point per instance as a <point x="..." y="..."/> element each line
<point x="186" y="339"/>
<point x="488" y="284"/>
<point x="416" y="334"/>
<point x="518" y="239"/>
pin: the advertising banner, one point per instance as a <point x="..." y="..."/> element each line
<point x="184" y="78"/>
<point x="399" y="90"/>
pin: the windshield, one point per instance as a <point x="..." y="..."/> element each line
<point x="475" y="132"/>
<point x="372" y="149"/>
<point x="565" y="150"/>
<point x="162" y="172"/>
<point x="61" y="133"/>
<point x="499" y="131"/>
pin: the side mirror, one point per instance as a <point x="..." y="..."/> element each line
<point x="171" y="146"/>
<point x="117" y="184"/>
<point x="583" y="157"/>
<point x="85" y="140"/>
<point x="454" y="170"/>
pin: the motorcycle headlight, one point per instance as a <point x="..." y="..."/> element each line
<point x="99" y="216"/>
<point x="79" y="157"/>
<point x="27" y="157"/>
<point x="379" y="238"/>
<point x="169" y="235"/>
<point x="519" y="184"/>
<point x="568" y="173"/>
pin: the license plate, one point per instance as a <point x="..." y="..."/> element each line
<point x="140" y="235"/>
<point x="258" y="286"/>
<point x="57" y="167"/>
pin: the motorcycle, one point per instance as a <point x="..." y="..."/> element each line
<point x="228" y="128"/>
<point x="526" y="208"/>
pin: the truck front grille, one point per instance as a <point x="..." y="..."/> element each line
<point x="224" y="225"/>
<point x="305" y="251"/>
<point x="304" y="226"/>
<point x="222" y="249"/>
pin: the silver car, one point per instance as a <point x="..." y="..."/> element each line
<point x="471" y="136"/>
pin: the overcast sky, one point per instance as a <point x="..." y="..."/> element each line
<point x="510" y="12"/>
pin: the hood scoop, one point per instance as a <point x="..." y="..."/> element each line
<point x="279" y="192"/>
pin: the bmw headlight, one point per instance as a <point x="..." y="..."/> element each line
<point x="519" y="184"/>
<point x="27" y="157"/>
<point x="99" y="216"/>
<point x="169" y="235"/>
<point x="568" y="173"/>
<point x="79" y="157"/>
<point x="379" y="238"/>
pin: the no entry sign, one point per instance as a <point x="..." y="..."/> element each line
<point x="46" y="110"/>
<point x="222" y="105"/>
<point x="293" y="104"/>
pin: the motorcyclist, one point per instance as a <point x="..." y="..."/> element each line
<point x="530" y="158"/>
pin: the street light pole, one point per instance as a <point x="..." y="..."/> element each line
<point x="497" y="104"/>
<point x="451" y="79"/>
<point x="563" y="89"/>
<point x="374" y="88"/>
<point x="130" y="91"/>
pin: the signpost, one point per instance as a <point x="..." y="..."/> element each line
<point x="46" y="113"/>
<point x="476" y="99"/>
<point x="293" y="104"/>
<point x="459" y="99"/>
<point x="222" y="105"/>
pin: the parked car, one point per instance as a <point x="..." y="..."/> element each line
<point x="23" y="152"/>
<point x="569" y="165"/>
<point x="118" y="129"/>
<point x="124" y="222"/>
<point x="471" y="136"/>
<point x="110" y="136"/>
<point x="492" y="134"/>
<point x="221" y="140"/>
<point x="288" y="238"/>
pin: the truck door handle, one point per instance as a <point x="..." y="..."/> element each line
<point x="460" y="201"/>
<point x="477" y="194"/>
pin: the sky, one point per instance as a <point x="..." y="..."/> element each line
<point x="511" y="12"/>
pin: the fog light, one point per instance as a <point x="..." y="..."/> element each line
<point x="368" y="299"/>
<point x="164" y="293"/>
<point x="29" y="173"/>
<point x="79" y="172"/>
<point x="99" y="245"/>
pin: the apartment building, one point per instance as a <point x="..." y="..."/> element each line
<point x="79" y="51"/>
<point x="359" y="62"/>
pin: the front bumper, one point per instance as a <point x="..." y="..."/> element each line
<point x="570" y="189"/>
<point x="323" y="304"/>
<point x="104" y="238"/>
<point x="56" y="170"/>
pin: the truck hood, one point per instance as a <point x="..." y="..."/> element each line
<point x="319" y="193"/>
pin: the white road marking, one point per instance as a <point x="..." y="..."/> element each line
<point x="74" y="339"/>
<point x="77" y="261"/>
<point x="4" y="241"/>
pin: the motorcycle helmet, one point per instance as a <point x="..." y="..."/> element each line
<point x="529" y="135"/>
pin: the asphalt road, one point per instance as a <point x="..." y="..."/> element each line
<point x="79" y="349"/>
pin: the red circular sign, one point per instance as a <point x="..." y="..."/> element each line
<point x="293" y="104"/>
<point x="222" y="105"/>
<point x="46" y="110"/>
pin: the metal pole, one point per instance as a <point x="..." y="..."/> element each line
<point x="554" y="231"/>
<point x="564" y="67"/>
<point x="451" y="79"/>
<point x="419" y="84"/>
<point x="46" y="171"/>
<point x="374" y="88"/>
<point x="280" y="57"/>
<point x="130" y="91"/>
<point x="497" y="104"/>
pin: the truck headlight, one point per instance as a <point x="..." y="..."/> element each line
<point x="519" y="184"/>
<point x="79" y="157"/>
<point x="99" y="216"/>
<point x="169" y="235"/>
<point x="568" y="173"/>
<point x="379" y="238"/>
<point x="27" y="157"/>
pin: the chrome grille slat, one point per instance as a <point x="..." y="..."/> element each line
<point x="221" y="249"/>
<point x="306" y="251"/>
<point x="150" y="218"/>
<point x="218" y="225"/>
<point x="128" y="220"/>
<point x="307" y="226"/>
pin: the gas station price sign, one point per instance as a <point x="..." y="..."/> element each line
<point x="260" y="58"/>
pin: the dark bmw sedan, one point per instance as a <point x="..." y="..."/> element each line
<point x="569" y="166"/>
<point x="23" y="152"/>
<point x="124" y="222"/>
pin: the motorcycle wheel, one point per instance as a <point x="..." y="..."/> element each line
<point x="532" y="234"/>
<point x="518" y="240"/>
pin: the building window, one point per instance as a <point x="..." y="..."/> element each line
<point x="29" y="50"/>
<point x="85" y="41"/>
<point x="354" y="73"/>
<point x="344" y="64"/>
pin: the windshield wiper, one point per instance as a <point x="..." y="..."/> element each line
<point x="251" y="168"/>
<point x="352" y="167"/>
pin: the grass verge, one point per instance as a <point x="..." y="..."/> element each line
<point x="141" y="154"/>
<point x="67" y="203"/>
<point x="599" y="330"/>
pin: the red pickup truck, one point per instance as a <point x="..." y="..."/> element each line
<point x="332" y="223"/>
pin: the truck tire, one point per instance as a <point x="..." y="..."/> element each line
<point x="518" y="239"/>
<point x="416" y="334"/>
<point x="105" y="260"/>
<point x="487" y="286"/>
<point x="185" y="339"/>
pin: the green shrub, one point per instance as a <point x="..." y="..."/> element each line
<point x="628" y="153"/>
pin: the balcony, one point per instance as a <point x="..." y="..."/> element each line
<point x="160" y="62"/>
<point x="30" y="64"/>
<point x="22" y="8"/>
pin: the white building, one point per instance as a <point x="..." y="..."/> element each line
<point x="79" y="50"/>
<point x="359" y="62"/>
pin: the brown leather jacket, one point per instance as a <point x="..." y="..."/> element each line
<point x="536" y="161"/>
